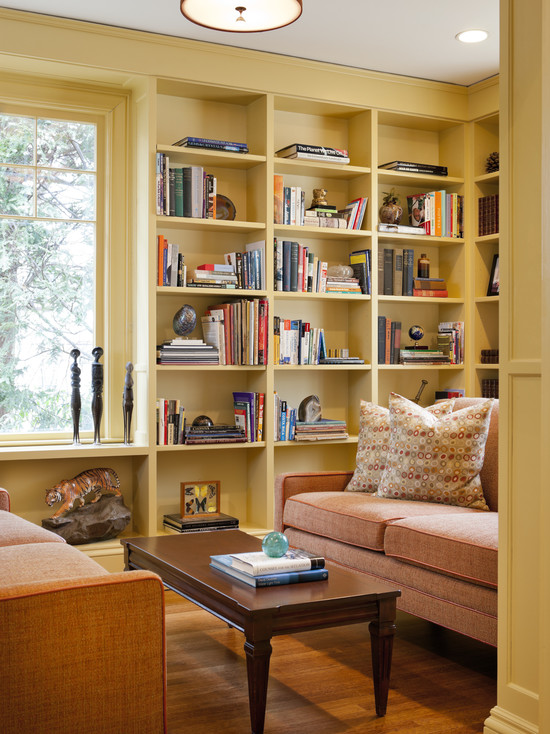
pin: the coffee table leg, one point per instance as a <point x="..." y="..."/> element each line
<point x="258" y="654"/>
<point x="382" y="633"/>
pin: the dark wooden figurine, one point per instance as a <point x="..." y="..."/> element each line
<point x="128" y="401"/>
<point x="75" y="395"/>
<point x="97" y="392"/>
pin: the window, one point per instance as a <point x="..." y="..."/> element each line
<point x="48" y="238"/>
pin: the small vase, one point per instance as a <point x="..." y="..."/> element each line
<point x="391" y="213"/>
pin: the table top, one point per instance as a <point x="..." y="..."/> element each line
<point x="184" y="559"/>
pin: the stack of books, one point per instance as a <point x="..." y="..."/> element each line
<point x="412" y="167"/>
<point x="321" y="430"/>
<point x="187" y="351"/>
<point x="430" y="287"/>
<point x="214" y="275"/>
<point x="324" y="217"/>
<point x="199" y="523"/>
<point x="342" y="285"/>
<point x="488" y="214"/>
<point x="424" y="356"/>
<point x="314" y="153"/>
<point x="220" y="433"/>
<point x="257" y="569"/>
<point x="212" y="144"/>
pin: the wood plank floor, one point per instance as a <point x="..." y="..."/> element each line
<point x="320" y="681"/>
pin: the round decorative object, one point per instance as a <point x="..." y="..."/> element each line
<point x="340" y="271"/>
<point x="185" y="320"/>
<point x="203" y="420"/>
<point x="275" y="545"/>
<point x="309" y="409"/>
<point x="391" y="213"/>
<point x="225" y="209"/>
<point x="416" y="333"/>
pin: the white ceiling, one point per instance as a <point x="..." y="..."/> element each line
<point x="395" y="36"/>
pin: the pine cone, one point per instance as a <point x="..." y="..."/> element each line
<point x="492" y="163"/>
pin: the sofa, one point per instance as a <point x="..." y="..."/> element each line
<point x="83" y="650"/>
<point x="443" y="558"/>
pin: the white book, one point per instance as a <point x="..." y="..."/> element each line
<point x="258" y="563"/>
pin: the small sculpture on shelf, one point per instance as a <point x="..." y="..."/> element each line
<point x="423" y="384"/>
<point x="319" y="198"/>
<point x="492" y="163"/>
<point x="76" y="403"/>
<point x="390" y="211"/>
<point x="309" y="410"/>
<point x="128" y="401"/>
<point x="97" y="392"/>
<point x="185" y="320"/>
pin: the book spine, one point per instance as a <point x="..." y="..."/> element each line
<point x="430" y="293"/>
<point x="296" y="577"/>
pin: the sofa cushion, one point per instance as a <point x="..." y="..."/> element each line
<point x="373" y="443"/>
<point x="353" y="517"/>
<point x="14" y="530"/>
<point x="464" y="546"/>
<point x="433" y="460"/>
<point x="21" y="565"/>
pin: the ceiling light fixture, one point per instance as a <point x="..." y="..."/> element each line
<point x="472" y="36"/>
<point x="256" y="15"/>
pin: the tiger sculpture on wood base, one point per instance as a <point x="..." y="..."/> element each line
<point x="86" y="488"/>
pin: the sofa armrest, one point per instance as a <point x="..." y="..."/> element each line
<point x="84" y="655"/>
<point x="4" y="500"/>
<point x="291" y="483"/>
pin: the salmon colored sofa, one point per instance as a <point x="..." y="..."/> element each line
<point x="443" y="558"/>
<point x="83" y="650"/>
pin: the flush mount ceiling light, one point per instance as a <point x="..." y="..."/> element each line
<point x="242" y="16"/>
<point x="472" y="36"/>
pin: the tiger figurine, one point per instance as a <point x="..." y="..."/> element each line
<point x="86" y="488"/>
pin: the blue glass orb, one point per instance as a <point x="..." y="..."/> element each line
<point x="185" y="320"/>
<point x="275" y="545"/>
<point x="416" y="333"/>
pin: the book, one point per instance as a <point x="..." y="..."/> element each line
<point x="194" y="522"/>
<point x="415" y="167"/>
<point x="211" y="143"/>
<point x="430" y="293"/>
<point x="327" y="153"/>
<point x="224" y="563"/>
<point x="257" y="563"/>
<point x="318" y="157"/>
<point x="397" y="228"/>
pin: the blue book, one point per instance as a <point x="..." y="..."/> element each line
<point x="223" y="563"/>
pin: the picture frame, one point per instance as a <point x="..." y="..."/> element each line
<point x="493" y="287"/>
<point x="201" y="498"/>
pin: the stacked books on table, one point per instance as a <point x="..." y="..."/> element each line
<point x="314" y="153"/>
<point x="217" y="433"/>
<point x="412" y="167"/>
<point x="257" y="569"/>
<point x="187" y="351"/>
<point x="212" y="144"/>
<point x="321" y="430"/>
<point x="176" y="523"/>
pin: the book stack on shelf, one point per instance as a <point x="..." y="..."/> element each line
<point x="259" y="570"/>
<point x="216" y="433"/>
<point x="389" y="340"/>
<point x="488" y="214"/>
<point x="450" y="339"/>
<point x="170" y="422"/>
<point x="449" y="350"/>
<point x="448" y="393"/>
<point x="187" y="351"/>
<point x="284" y="419"/>
<point x="340" y="356"/>
<point x="412" y="167"/>
<point x="489" y="388"/>
<point x="325" y="215"/>
<point x="212" y="144"/>
<point x="314" y="153"/>
<point x="248" y="408"/>
<point x="213" y="275"/>
<point x="430" y="287"/>
<point x="438" y="213"/>
<point x="339" y="284"/>
<point x="424" y="356"/>
<point x="323" y="429"/>
<point x="175" y="523"/>
<point x="489" y="356"/>
<point x="245" y="330"/>
<point x="171" y="270"/>
<point x="184" y="191"/>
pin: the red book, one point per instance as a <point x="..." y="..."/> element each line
<point x="429" y="293"/>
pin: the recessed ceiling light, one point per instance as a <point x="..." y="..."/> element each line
<point x="471" y="36"/>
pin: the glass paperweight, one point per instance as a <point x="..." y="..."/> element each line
<point x="275" y="545"/>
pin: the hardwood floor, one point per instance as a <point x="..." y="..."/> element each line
<point x="320" y="681"/>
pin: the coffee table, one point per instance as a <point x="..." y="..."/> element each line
<point x="346" y="597"/>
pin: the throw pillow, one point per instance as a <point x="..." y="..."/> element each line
<point x="373" y="443"/>
<point x="433" y="460"/>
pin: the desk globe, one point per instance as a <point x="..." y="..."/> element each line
<point x="275" y="545"/>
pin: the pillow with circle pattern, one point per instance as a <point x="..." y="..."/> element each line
<point x="373" y="443"/>
<point x="436" y="460"/>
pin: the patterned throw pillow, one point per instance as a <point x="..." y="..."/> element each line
<point x="433" y="460"/>
<point x="373" y="443"/>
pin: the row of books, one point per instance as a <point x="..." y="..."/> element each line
<point x="488" y="214"/>
<point x="238" y="331"/>
<point x="489" y="388"/>
<point x="259" y="570"/>
<point x="171" y="269"/>
<point x="314" y="153"/>
<point x="396" y="268"/>
<point x="489" y="356"/>
<point x="449" y="350"/>
<point x="170" y="422"/>
<point x="284" y="417"/>
<point x="176" y="523"/>
<point x="184" y="191"/>
<point x="297" y="342"/>
<point x="187" y="352"/>
<point x="412" y="167"/>
<point x="212" y="144"/>
<point x="248" y="408"/>
<point x="439" y="213"/>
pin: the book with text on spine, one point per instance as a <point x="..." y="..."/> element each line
<point x="224" y="563"/>
<point x="258" y="563"/>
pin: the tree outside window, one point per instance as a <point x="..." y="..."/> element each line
<point x="48" y="181"/>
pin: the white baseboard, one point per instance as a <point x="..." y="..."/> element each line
<point x="501" y="721"/>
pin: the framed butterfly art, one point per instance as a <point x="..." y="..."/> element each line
<point x="200" y="498"/>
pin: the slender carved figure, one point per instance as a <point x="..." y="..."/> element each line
<point x="75" y="396"/>
<point x="420" y="389"/>
<point x="97" y="392"/>
<point x="128" y="401"/>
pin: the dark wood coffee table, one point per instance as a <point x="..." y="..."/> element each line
<point x="182" y="562"/>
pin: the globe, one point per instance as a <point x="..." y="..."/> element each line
<point x="275" y="545"/>
<point x="185" y="320"/>
<point x="416" y="333"/>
